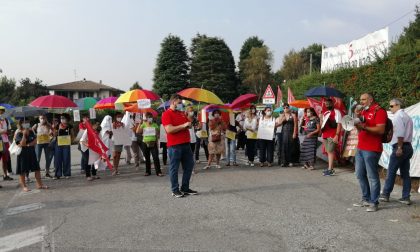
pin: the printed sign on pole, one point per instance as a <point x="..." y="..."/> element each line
<point x="269" y="97"/>
<point x="92" y="113"/>
<point x="76" y="115"/>
<point x="144" y="103"/>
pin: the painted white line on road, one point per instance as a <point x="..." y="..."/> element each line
<point x="24" y="208"/>
<point x="22" y="239"/>
<point x="22" y="193"/>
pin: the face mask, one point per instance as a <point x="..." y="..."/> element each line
<point x="191" y="113"/>
<point x="26" y="125"/>
<point x="268" y="113"/>
<point x="366" y="107"/>
<point x="309" y="114"/>
<point x="216" y="116"/>
<point x="253" y="110"/>
<point x="179" y="107"/>
<point x="150" y="119"/>
<point x="42" y="120"/>
<point x="63" y="121"/>
<point x="119" y="119"/>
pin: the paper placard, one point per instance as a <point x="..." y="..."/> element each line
<point x="266" y="129"/>
<point x="76" y="115"/>
<point x="92" y="113"/>
<point x="1" y="146"/>
<point x="251" y="135"/>
<point x="203" y="116"/>
<point x="144" y="103"/>
<point x="137" y="118"/>
<point x="63" y="140"/>
<point x="42" y="139"/>
<point x="232" y="119"/>
<point x="230" y="134"/>
<point x="202" y="134"/>
<point x="149" y="131"/>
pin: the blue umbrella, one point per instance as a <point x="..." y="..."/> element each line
<point x="165" y="105"/>
<point x="279" y="110"/>
<point x="6" y="106"/>
<point x="324" y="91"/>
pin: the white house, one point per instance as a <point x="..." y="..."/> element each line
<point x="84" y="88"/>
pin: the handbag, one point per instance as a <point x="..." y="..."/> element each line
<point x="15" y="149"/>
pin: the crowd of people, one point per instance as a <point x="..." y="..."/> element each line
<point x="182" y="132"/>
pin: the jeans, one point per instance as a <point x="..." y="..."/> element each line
<point x="180" y="154"/>
<point x="62" y="161"/>
<point x="250" y="149"/>
<point x="402" y="163"/>
<point x="48" y="154"/>
<point x="201" y="142"/>
<point x="266" y="150"/>
<point x="155" y="155"/>
<point x="368" y="175"/>
<point x="230" y="150"/>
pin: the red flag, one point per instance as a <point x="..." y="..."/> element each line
<point x="317" y="105"/>
<point x="290" y="97"/>
<point x="279" y="96"/>
<point x="96" y="144"/>
<point x="339" y="104"/>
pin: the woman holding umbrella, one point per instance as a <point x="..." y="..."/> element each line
<point x="216" y="142"/>
<point x="62" y="155"/>
<point x="26" y="160"/>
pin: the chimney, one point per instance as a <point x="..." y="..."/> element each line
<point x="84" y="79"/>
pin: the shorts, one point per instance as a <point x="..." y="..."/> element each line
<point x="329" y="145"/>
<point x="118" y="148"/>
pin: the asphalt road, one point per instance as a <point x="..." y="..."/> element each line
<point x="239" y="209"/>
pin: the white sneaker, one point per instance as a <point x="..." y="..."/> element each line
<point x="218" y="167"/>
<point x="252" y="164"/>
<point x="206" y="167"/>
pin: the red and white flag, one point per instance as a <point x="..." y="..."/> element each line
<point x="96" y="144"/>
<point x="279" y="97"/>
<point x="290" y="97"/>
<point x="317" y="105"/>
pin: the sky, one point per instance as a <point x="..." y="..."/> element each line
<point x="117" y="41"/>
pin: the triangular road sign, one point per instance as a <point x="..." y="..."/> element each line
<point x="268" y="93"/>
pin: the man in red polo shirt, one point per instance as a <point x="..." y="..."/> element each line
<point x="369" y="150"/>
<point x="177" y="126"/>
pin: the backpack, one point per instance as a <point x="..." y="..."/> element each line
<point x="389" y="128"/>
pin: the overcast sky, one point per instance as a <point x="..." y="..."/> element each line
<point x="117" y="41"/>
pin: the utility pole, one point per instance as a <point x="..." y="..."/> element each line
<point x="310" y="64"/>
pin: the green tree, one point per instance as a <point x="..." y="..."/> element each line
<point x="249" y="43"/>
<point x="171" y="71"/>
<point x="213" y="67"/>
<point x="7" y="88"/>
<point x="28" y="91"/>
<point x="316" y="51"/>
<point x="136" y="85"/>
<point x="257" y="69"/>
<point x="293" y="65"/>
<point x="409" y="41"/>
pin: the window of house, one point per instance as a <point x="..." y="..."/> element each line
<point x="85" y="94"/>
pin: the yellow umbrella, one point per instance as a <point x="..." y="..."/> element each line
<point x="201" y="95"/>
<point x="137" y="94"/>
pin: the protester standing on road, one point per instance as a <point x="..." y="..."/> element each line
<point x="369" y="150"/>
<point x="106" y="133"/>
<point x="5" y="154"/>
<point x="117" y="137"/>
<point x="311" y="130"/>
<point x="402" y="151"/>
<point x="216" y="139"/>
<point x="290" y="132"/>
<point x="82" y="129"/>
<point x="330" y="127"/>
<point x="43" y="137"/>
<point x="241" y="137"/>
<point x="251" y="127"/>
<point x="26" y="160"/>
<point x="91" y="155"/>
<point x="150" y="130"/>
<point x="62" y="155"/>
<point x="202" y="141"/>
<point x="266" y="144"/>
<point x="189" y="112"/>
<point x="176" y="125"/>
<point x="163" y="139"/>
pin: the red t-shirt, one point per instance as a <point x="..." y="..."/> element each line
<point x="176" y="118"/>
<point x="367" y="140"/>
<point x="327" y="131"/>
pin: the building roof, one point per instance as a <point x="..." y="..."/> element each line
<point x="82" y="85"/>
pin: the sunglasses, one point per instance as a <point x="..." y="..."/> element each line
<point x="286" y="107"/>
<point x="391" y="106"/>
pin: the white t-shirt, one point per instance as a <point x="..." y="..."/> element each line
<point x="403" y="127"/>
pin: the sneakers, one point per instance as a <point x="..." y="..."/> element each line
<point x="405" y="201"/>
<point x="327" y="172"/>
<point x="252" y="164"/>
<point x="189" y="192"/>
<point x="177" y="194"/>
<point x="372" y="208"/>
<point x="362" y="203"/>
<point x="7" y="178"/>
<point x="384" y="198"/>
<point x="206" y="167"/>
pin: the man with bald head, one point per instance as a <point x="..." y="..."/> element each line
<point x="369" y="150"/>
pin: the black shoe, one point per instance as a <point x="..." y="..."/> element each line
<point x="5" y="178"/>
<point x="177" y="194"/>
<point x="48" y="175"/>
<point x="189" y="192"/>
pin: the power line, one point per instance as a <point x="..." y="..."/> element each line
<point x="398" y="19"/>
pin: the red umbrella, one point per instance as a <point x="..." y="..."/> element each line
<point x="106" y="103"/>
<point x="52" y="101"/>
<point x="135" y="109"/>
<point x="243" y="100"/>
